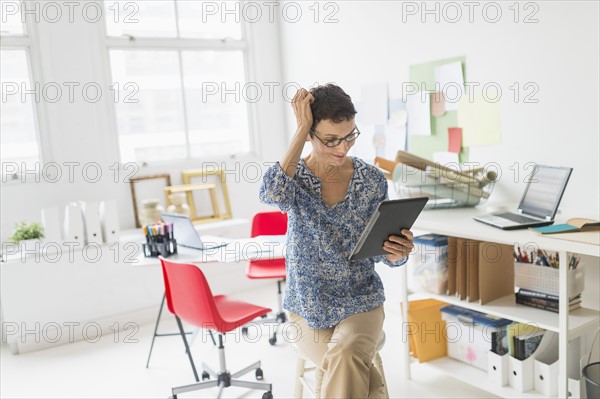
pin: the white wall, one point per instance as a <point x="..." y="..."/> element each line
<point x="378" y="40"/>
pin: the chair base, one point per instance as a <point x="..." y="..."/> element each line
<point x="226" y="379"/>
<point x="223" y="378"/>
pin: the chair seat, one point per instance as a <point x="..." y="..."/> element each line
<point x="236" y="313"/>
<point x="271" y="268"/>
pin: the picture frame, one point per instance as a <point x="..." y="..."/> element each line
<point x="204" y="176"/>
<point x="148" y="187"/>
<point x="215" y="213"/>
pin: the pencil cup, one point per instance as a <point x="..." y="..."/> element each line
<point x="545" y="279"/>
<point x="164" y="249"/>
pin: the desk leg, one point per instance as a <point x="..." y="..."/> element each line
<point x="404" y="331"/>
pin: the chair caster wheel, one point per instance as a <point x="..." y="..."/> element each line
<point x="281" y="318"/>
<point x="205" y="376"/>
<point x="267" y="395"/>
<point x="273" y="340"/>
<point x="245" y="331"/>
<point x="259" y="374"/>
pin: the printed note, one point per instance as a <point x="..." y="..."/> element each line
<point x="451" y="83"/>
<point x="419" y="114"/>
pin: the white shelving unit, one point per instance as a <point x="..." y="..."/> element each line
<point x="460" y="223"/>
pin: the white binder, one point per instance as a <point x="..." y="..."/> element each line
<point x="91" y="217"/>
<point x="521" y="372"/>
<point x="109" y="220"/>
<point x="498" y="368"/>
<point x="51" y="224"/>
<point x="74" y="230"/>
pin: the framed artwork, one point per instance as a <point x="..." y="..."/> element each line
<point x="189" y="189"/>
<point x="201" y="204"/>
<point x="148" y="187"/>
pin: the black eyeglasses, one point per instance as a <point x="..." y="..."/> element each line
<point x="335" y="142"/>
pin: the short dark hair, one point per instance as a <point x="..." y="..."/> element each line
<point x="331" y="103"/>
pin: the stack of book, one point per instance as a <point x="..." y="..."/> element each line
<point x="525" y="344"/>
<point x="544" y="301"/>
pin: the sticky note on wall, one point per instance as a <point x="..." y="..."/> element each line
<point x="454" y="139"/>
<point x="479" y="119"/>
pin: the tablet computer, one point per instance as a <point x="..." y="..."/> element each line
<point x="389" y="218"/>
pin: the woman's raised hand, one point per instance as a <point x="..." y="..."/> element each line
<point x="301" y="104"/>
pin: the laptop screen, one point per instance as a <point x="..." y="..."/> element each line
<point x="183" y="230"/>
<point x="544" y="191"/>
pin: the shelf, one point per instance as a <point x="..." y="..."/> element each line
<point x="459" y="223"/>
<point x="579" y="320"/>
<point x="477" y="378"/>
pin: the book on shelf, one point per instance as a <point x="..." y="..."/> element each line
<point x="547" y="304"/>
<point x="526" y="344"/>
<point x="530" y="294"/>
<point x="517" y="329"/>
<point x="573" y="225"/>
<point x="537" y="294"/>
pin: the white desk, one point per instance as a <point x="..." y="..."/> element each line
<point x="460" y="223"/>
<point x="236" y="250"/>
<point x="43" y="294"/>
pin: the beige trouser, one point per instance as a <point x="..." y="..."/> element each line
<point x="345" y="353"/>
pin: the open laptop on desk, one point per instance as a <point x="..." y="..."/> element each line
<point x="539" y="203"/>
<point x="186" y="234"/>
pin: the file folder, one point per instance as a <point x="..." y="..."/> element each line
<point x="74" y="230"/>
<point x="91" y="216"/>
<point x="498" y="369"/>
<point x="109" y="220"/>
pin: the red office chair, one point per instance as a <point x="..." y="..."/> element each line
<point x="269" y="223"/>
<point x="189" y="298"/>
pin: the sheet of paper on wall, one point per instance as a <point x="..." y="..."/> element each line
<point x="447" y="159"/>
<point x="397" y="112"/>
<point x="479" y="119"/>
<point x="373" y="108"/>
<point x="364" y="147"/>
<point x="438" y="105"/>
<point x="419" y="114"/>
<point x="454" y="139"/>
<point x="450" y="79"/>
<point x="379" y="140"/>
<point x="395" y="140"/>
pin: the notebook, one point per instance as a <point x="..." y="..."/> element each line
<point x="539" y="203"/>
<point x="187" y="236"/>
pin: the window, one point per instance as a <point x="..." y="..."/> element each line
<point x="18" y="127"/>
<point x="178" y="80"/>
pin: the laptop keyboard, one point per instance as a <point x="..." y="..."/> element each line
<point x="517" y="218"/>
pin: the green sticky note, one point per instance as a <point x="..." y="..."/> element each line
<point x="479" y="119"/>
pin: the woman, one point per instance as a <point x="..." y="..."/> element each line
<point x="329" y="197"/>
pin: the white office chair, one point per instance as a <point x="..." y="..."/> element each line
<point x="315" y="387"/>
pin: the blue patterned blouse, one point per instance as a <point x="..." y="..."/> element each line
<point x="323" y="286"/>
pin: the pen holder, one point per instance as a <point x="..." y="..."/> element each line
<point x="545" y="279"/>
<point x="165" y="248"/>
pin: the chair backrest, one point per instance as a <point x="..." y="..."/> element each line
<point x="189" y="295"/>
<point x="269" y="223"/>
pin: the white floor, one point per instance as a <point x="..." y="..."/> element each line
<point x="113" y="368"/>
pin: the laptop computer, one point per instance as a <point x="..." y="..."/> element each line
<point x="539" y="203"/>
<point x="187" y="236"/>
